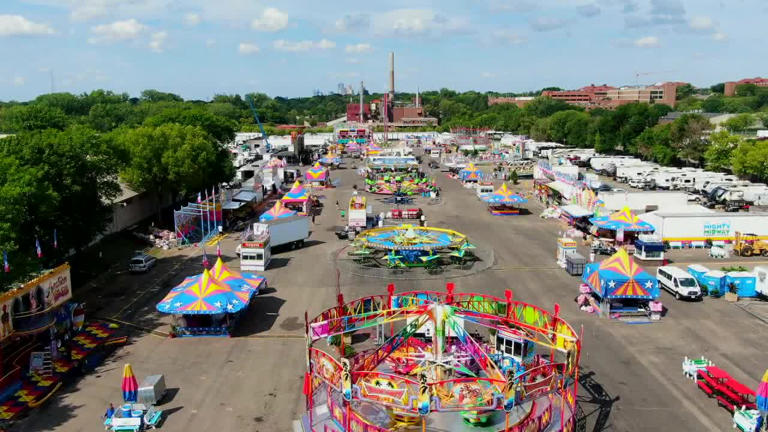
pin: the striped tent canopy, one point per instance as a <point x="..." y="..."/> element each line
<point x="278" y="211"/>
<point x="503" y="196"/>
<point x="298" y="193"/>
<point x="330" y="159"/>
<point x="316" y="173"/>
<point x="620" y="277"/>
<point x="470" y="172"/>
<point x="622" y="219"/>
<point x="373" y="149"/>
<point x="206" y="295"/>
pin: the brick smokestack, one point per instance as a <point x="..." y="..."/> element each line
<point x="391" y="76"/>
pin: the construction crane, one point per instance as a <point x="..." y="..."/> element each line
<point x="264" y="135"/>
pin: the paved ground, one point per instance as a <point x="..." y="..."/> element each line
<point x="633" y="381"/>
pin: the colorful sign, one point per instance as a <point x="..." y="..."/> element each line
<point x="717" y="229"/>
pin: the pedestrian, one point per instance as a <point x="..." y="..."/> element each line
<point x="591" y="255"/>
<point x="110" y="411"/>
<point x="337" y="204"/>
<point x="313" y="217"/>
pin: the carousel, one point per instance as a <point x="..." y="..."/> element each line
<point x="441" y="361"/>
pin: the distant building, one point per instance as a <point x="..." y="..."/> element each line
<point x="353" y="112"/>
<point x="605" y="96"/>
<point x="520" y="101"/>
<point x="730" y="86"/>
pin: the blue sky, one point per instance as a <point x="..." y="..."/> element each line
<point x="198" y="48"/>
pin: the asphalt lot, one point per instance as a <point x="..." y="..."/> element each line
<point x="633" y="379"/>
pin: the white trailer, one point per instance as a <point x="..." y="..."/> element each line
<point x="624" y="173"/>
<point x="256" y="249"/>
<point x="702" y="226"/>
<point x="600" y="163"/>
<point x="664" y="179"/>
<point x="757" y="194"/>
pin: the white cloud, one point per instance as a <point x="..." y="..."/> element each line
<point x="305" y="45"/>
<point x="84" y="10"/>
<point x="157" y="42"/>
<point x="588" y="10"/>
<point x="353" y="22"/>
<point x="515" y="5"/>
<point x="271" y="20"/>
<point x="719" y="36"/>
<point x="352" y="60"/>
<point x="488" y="75"/>
<point x="192" y="19"/>
<point x="507" y="37"/>
<point x="117" y="31"/>
<point x="417" y="22"/>
<point x="247" y="48"/>
<point x="19" y="81"/>
<point x="17" y="25"/>
<point x="701" y="23"/>
<point x="647" y="42"/>
<point x="210" y="42"/>
<point x="358" y="48"/>
<point x="543" y="24"/>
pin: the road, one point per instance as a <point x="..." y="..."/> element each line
<point x="632" y="375"/>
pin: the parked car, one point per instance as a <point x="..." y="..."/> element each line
<point x="678" y="282"/>
<point x="141" y="263"/>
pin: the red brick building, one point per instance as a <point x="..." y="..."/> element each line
<point x="730" y="86"/>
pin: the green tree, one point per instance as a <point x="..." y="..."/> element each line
<point x="739" y="123"/>
<point x="685" y="91"/>
<point x="220" y="128"/>
<point x="720" y="150"/>
<point x="21" y="118"/>
<point x="687" y="137"/>
<point x="158" y="96"/>
<point x="68" y="103"/>
<point x="546" y="106"/>
<point x="654" y="143"/>
<point x="749" y="160"/>
<point x="718" y="88"/>
<point x="713" y="104"/>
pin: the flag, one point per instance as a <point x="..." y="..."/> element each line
<point x="205" y="258"/>
<point x="37" y="248"/>
<point x="55" y="239"/>
<point x="199" y="198"/>
<point x="218" y="249"/>
<point x="6" y="266"/>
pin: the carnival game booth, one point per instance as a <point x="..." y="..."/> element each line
<point x="470" y="174"/>
<point x="622" y="287"/>
<point x="318" y="176"/>
<point x="622" y="226"/>
<point x="278" y="211"/>
<point x="211" y="303"/>
<point x="441" y="361"/>
<point x="372" y="149"/>
<point x="503" y="202"/>
<point x="298" y="199"/>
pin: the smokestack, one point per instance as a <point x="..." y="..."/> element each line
<point x="362" y="108"/>
<point x="392" y="75"/>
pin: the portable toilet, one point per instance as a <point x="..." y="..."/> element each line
<point x="714" y="282"/>
<point x="697" y="271"/>
<point x="761" y="280"/>
<point x="745" y="283"/>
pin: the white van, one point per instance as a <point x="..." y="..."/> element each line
<point x="678" y="282"/>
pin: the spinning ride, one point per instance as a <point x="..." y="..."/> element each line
<point x="502" y="202"/>
<point x="428" y="371"/>
<point x="410" y="246"/>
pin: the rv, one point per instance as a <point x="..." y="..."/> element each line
<point x="600" y="163"/>
<point x="664" y="179"/>
<point x="627" y="172"/>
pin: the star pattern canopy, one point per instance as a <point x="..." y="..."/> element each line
<point x="298" y="193"/>
<point x="407" y="237"/>
<point x="316" y="173"/>
<point x="471" y="172"/>
<point x="503" y="196"/>
<point x="206" y="295"/>
<point x="622" y="219"/>
<point x="236" y="280"/>
<point x="620" y="277"/>
<point x="278" y="211"/>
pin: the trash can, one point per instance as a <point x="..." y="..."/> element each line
<point x="574" y="264"/>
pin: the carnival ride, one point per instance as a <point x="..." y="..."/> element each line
<point x="470" y="174"/>
<point x="404" y="246"/>
<point x="502" y="201"/>
<point x="331" y="159"/>
<point x="623" y="220"/>
<point x="432" y="369"/>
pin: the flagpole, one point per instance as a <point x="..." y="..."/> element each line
<point x="213" y="192"/>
